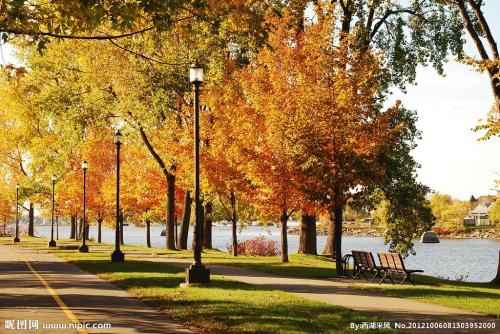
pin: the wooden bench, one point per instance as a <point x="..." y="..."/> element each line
<point x="364" y="263"/>
<point x="392" y="263"/>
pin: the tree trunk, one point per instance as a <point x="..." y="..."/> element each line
<point x="87" y="230"/>
<point x="337" y="239"/>
<point x="496" y="280"/>
<point x="308" y="235"/>
<point x="284" y="238"/>
<point x="80" y="229"/>
<point x="186" y="217"/>
<point x="170" y="176"/>
<point x="234" y="224"/>
<point x="207" y="232"/>
<point x="169" y="232"/>
<point x="475" y="35"/>
<point x="99" y="230"/>
<point x="57" y="227"/>
<point x="329" y="248"/>
<point x="31" y="220"/>
<point x="148" y="233"/>
<point x="493" y="72"/>
<point x="121" y="228"/>
<point x="72" y="233"/>
<point x="176" y="231"/>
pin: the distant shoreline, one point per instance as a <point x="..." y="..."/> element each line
<point x="370" y="232"/>
<point x="491" y="234"/>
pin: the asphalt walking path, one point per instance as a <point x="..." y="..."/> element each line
<point x="39" y="289"/>
<point x="340" y="292"/>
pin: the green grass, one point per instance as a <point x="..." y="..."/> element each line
<point x="474" y="297"/>
<point x="223" y="307"/>
<point x="308" y="266"/>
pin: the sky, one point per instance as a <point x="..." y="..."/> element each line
<point x="453" y="161"/>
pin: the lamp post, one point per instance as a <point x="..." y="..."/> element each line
<point x="52" y="242"/>
<point x="16" y="239"/>
<point x="197" y="273"/>
<point x="84" y="248"/>
<point x="57" y="225"/>
<point x="117" y="255"/>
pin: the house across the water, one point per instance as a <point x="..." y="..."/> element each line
<point x="479" y="215"/>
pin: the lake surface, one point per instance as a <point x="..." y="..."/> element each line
<point x="473" y="260"/>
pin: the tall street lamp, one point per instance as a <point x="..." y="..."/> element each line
<point x="197" y="273"/>
<point x="52" y="242"/>
<point x="16" y="239"/>
<point x="117" y="255"/>
<point x="84" y="248"/>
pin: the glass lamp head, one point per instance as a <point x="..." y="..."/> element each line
<point x="118" y="137"/>
<point x="196" y="73"/>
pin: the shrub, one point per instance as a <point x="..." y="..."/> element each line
<point x="259" y="246"/>
<point x="439" y="230"/>
<point x="9" y="230"/>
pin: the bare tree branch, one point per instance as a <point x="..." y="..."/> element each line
<point x="486" y="28"/>
<point x="140" y="55"/>
<point x="470" y="28"/>
<point x="54" y="35"/>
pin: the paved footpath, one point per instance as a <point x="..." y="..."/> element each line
<point x="43" y="287"/>
<point x="339" y="292"/>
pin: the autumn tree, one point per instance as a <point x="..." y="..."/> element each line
<point x="333" y="131"/>
<point x="227" y="128"/>
<point x="142" y="194"/>
<point x="407" y="208"/>
<point x="117" y="20"/>
<point x="7" y="203"/>
<point x="494" y="213"/>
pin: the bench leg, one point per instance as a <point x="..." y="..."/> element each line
<point x="356" y="275"/>
<point x="377" y="274"/>
<point x="383" y="278"/>
<point x="361" y="272"/>
<point x="407" y="277"/>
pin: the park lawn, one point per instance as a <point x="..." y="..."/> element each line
<point x="474" y="297"/>
<point x="307" y="266"/>
<point x="223" y="307"/>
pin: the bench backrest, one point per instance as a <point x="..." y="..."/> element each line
<point x="392" y="261"/>
<point x="357" y="257"/>
<point x="364" y="259"/>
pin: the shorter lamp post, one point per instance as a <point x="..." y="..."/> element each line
<point x="57" y="224"/>
<point x="52" y="242"/>
<point x="117" y="255"/>
<point x="84" y="248"/>
<point x="197" y="273"/>
<point x="16" y="239"/>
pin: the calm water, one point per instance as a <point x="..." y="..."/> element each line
<point x="475" y="260"/>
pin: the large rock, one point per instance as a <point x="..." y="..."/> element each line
<point x="429" y="237"/>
